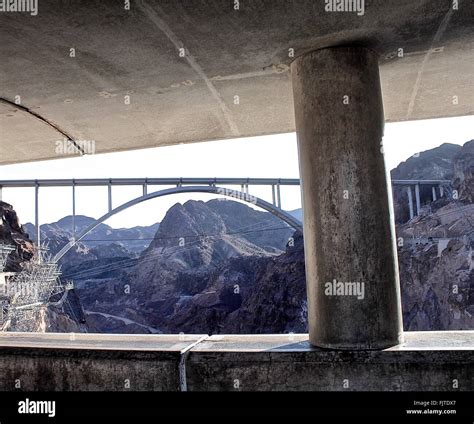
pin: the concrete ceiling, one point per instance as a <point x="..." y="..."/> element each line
<point x="229" y="53"/>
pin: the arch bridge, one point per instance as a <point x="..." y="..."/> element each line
<point x="218" y="186"/>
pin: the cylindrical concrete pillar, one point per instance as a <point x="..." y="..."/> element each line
<point x="351" y="260"/>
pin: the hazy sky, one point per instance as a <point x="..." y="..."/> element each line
<point x="268" y="156"/>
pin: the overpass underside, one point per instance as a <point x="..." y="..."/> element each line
<point x="164" y="72"/>
<point x="199" y="71"/>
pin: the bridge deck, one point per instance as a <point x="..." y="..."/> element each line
<point x="89" y="182"/>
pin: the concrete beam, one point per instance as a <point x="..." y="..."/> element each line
<point x="351" y="260"/>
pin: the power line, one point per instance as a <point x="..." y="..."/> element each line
<point x="152" y="256"/>
<point x="184" y="236"/>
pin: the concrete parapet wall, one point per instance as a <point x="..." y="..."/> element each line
<point x="427" y="361"/>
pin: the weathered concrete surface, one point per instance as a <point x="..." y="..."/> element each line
<point x="348" y="215"/>
<point x="82" y="362"/>
<point x="425" y="362"/>
<point x="53" y="362"/>
<point x="426" y="51"/>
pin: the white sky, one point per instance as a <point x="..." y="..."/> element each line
<point x="269" y="156"/>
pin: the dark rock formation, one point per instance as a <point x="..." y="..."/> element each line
<point x="437" y="270"/>
<point x="249" y="295"/>
<point x="193" y="241"/>
<point x="433" y="164"/>
<point x="259" y="228"/>
<point x="12" y="233"/>
<point x="463" y="180"/>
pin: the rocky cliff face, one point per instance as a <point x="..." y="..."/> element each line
<point x="436" y="250"/>
<point x="12" y="233"/>
<point x="193" y="241"/>
<point x="437" y="270"/>
<point x="249" y="295"/>
<point x="463" y="180"/>
<point x="64" y="317"/>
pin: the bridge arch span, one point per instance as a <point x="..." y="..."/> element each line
<point x="235" y="194"/>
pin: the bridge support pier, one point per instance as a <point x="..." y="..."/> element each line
<point x="349" y="234"/>
<point x="410" y="202"/>
<point x="417" y="198"/>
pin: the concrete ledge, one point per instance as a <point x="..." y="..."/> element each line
<point x="427" y="361"/>
<point x="79" y="362"/>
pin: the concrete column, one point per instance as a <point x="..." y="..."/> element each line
<point x="109" y="196"/>
<point x="349" y="234"/>
<point x="37" y="224"/>
<point x="278" y="196"/>
<point x="433" y="192"/>
<point x="417" y="198"/>
<point x="441" y="191"/>
<point x="410" y="202"/>
<point x="74" y="210"/>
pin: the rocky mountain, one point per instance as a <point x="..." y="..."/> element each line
<point x="433" y="164"/>
<point x="463" y="180"/>
<point x="259" y="228"/>
<point x="193" y="240"/>
<point x="223" y="285"/>
<point x="103" y="241"/>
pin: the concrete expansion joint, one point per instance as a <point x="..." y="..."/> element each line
<point x="183" y="385"/>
